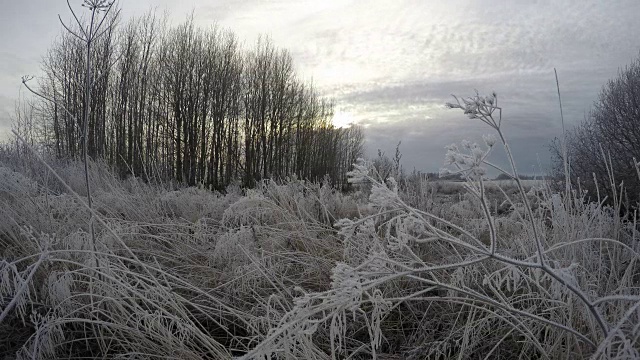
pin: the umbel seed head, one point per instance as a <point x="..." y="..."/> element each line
<point x="99" y="5"/>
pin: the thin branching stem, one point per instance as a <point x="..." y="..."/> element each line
<point x="23" y="288"/>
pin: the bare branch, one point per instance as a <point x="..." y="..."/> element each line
<point x="70" y="31"/>
<point x="26" y="79"/>
<point x="97" y="29"/>
<point x="84" y="32"/>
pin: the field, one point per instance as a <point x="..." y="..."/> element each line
<point x="300" y="270"/>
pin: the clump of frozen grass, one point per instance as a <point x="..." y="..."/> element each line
<point x="148" y="297"/>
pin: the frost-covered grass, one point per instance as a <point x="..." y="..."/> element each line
<point x="186" y="273"/>
<point x="299" y="270"/>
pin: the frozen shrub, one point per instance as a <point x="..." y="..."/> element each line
<point x="230" y="249"/>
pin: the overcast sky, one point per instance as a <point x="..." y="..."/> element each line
<point x="392" y="64"/>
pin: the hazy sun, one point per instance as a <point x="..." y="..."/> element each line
<point x="342" y="119"/>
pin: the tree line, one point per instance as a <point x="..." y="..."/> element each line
<point x="191" y="105"/>
<point x="603" y="151"/>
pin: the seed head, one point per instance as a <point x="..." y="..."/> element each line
<point x="98" y="5"/>
<point x="489" y="140"/>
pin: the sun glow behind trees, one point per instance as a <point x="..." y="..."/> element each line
<point x="342" y="119"/>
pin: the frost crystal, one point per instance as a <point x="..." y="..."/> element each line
<point x="382" y="196"/>
<point x="347" y="284"/>
<point x="360" y="172"/>
<point x="489" y="140"/>
<point x="470" y="163"/>
<point x="345" y="228"/>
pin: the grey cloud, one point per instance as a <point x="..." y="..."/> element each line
<point x="413" y="113"/>
<point x="423" y="146"/>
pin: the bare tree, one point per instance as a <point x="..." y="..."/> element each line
<point x="191" y="105"/>
<point x="603" y="150"/>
